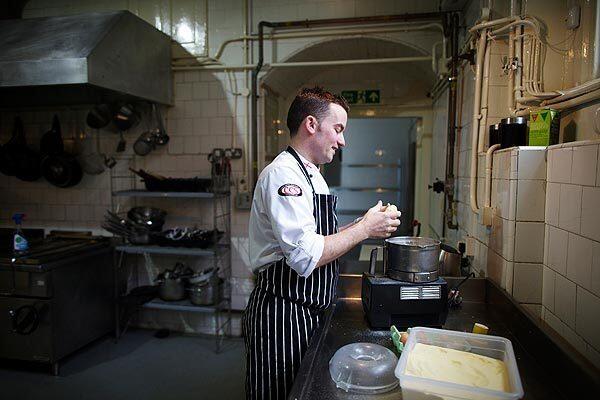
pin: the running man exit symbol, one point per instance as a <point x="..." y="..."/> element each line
<point x="362" y="96"/>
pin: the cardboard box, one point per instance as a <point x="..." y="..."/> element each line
<point x="544" y="127"/>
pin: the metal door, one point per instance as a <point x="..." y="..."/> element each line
<point x="378" y="163"/>
<point x="25" y="329"/>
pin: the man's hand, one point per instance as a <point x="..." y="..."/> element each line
<point x="380" y="222"/>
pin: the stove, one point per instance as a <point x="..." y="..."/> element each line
<point x="55" y="298"/>
<point x="387" y="302"/>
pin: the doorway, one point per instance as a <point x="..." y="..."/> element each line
<point x="378" y="163"/>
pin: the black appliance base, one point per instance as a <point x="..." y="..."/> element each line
<point x="389" y="302"/>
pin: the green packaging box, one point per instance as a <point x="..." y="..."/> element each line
<point x="544" y="127"/>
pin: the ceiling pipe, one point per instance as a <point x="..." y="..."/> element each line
<point x="320" y="33"/>
<point x="309" y="24"/>
<point x="349" y="62"/>
<point x="495" y="22"/>
<point x="388" y="60"/>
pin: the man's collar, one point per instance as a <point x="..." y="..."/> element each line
<point x="304" y="160"/>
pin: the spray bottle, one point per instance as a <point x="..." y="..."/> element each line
<point x="20" y="244"/>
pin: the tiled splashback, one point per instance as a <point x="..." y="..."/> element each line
<point x="571" y="271"/>
<point x="515" y="245"/>
<point x="543" y="246"/>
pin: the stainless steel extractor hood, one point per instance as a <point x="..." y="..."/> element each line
<point x="83" y="59"/>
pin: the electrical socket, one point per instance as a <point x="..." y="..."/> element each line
<point x="471" y="244"/>
<point x="233" y="153"/>
<point x="243" y="201"/>
<point x="242" y="184"/>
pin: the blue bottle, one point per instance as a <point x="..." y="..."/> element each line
<point x="20" y="243"/>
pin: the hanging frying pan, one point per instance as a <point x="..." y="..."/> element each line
<point x="99" y="116"/>
<point x="51" y="142"/>
<point x="58" y="167"/>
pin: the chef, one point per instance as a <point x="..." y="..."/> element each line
<point x="295" y="243"/>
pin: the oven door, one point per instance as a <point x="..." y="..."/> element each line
<point x="25" y="329"/>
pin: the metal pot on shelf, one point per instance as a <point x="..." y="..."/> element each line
<point x="172" y="289"/>
<point x="171" y="283"/>
<point x="409" y="259"/>
<point x="204" y="288"/>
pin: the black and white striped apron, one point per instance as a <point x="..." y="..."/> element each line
<point x="284" y="309"/>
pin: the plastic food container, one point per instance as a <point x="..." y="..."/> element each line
<point x="490" y="346"/>
<point x="365" y="368"/>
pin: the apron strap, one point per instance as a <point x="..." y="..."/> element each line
<point x="302" y="167"/>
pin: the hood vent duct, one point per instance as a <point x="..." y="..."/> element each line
<point x="83" y="59"/>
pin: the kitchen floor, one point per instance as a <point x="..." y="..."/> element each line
<point x="139" y="366"/>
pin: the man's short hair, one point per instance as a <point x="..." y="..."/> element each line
<point x="312" y="101"/>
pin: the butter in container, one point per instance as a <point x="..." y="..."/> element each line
<point x="496" y="351"/>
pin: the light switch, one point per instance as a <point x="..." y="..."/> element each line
<point x="471" y="246"/>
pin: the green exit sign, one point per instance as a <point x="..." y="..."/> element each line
<point x="362" y="96"/>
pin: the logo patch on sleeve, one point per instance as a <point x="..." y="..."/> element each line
<point x="289" y="189"/>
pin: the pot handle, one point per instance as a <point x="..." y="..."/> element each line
<point x="373" y="261"/>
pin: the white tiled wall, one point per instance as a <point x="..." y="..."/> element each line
<point x="544" y="244"/>
<point x="516" y="238"/>
<point x="571" y="273"/>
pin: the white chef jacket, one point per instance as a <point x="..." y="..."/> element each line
<point x="284" y="225"/>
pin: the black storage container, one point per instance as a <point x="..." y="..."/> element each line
<point x="513" y="132"/>
<point x="494" y="134"/>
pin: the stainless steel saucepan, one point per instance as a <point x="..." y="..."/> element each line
<point x="409" y="258"/>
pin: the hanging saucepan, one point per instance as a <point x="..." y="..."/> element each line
<point x="99" y="116"/>
<point x="126" y="117"/>
<point x="27" y="161"/>
<point x="153" y="137"/>
<point x="90" y="159"/>
<point x="8" y="152"/>
<point x="59" y="168"/>
<point x="51" y="141"/>
<point x="161" y="137"/>
<point x="145" y="143"/>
